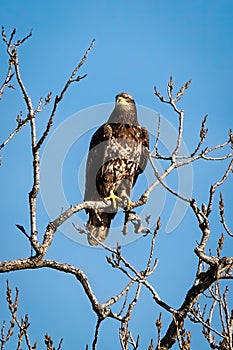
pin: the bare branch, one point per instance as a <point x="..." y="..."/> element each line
<point x="205" y="229"/>
<point x="222" y="215"/>
<point x="180" y="93"/>
<point x="15" y="131"/>
<point x="159" y="324"/>
<point x="14" y="61"/>
<point x="159" y="178"/>
<point x="96" y="336"/>
<point x="223" y="316"/>
<point x="155" y="149"/>
<point x="172" y="101"/>
<point x="150" y="269"/>
<point x="22" y="229"/>
<point x="22" y="324"/>
<point x="140" y="277"/>
<point x="203" y="130"/>
<point x="117" y="297"/>
<point x="133" y="303"/>
<point x="144" y="197"/>
<point x="6" y="81"/>
<point x="206" y="325"/>
<point x="170" y="86"/>
<point x="131" y="216"/>
<point x="37" y="263"/>
<point x="126" y="338"/>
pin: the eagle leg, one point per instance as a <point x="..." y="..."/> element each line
<point x="113" y="198"/>
<point x="125" y="197"/>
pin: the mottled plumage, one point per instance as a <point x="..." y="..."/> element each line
<point x="117" y="155"/>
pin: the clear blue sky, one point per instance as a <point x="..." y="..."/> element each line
<point x="138" y="45"/>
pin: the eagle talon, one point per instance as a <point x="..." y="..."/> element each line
<point x="126" y="199"/>
<point x="113" y="198"/>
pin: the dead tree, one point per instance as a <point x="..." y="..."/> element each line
<point x="211" y="268"/>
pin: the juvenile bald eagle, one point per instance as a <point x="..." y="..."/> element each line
<point x="117" y="155"/>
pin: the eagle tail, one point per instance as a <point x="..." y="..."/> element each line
<point x="98" y="226"/>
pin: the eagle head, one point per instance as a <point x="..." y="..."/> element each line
<point x="125" y="110"/>
<point x="124" y="98"/>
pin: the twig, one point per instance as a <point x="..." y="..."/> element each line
<point x="117" y="297"/>
<point x="172" y="101"/>
<point x="133" y="303"/>
<point x="15" y="131"/>
<point x="160" y="177"/>
<point x="124" y="303"/>
<point x="96" y="336"/>
<point x="149" y="269"/>
<point x="158" y="324"/>
<point x="144" y="197"/>
<point x="155" y="149"/>
<point x="204" y="324"/>
<point x="222" y="215"/>
<point x="7" y="80"/>
<point x="126" y="338"/>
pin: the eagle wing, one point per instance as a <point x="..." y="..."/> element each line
<point x="144" y="140"/>
<point x="99" y="221"/>
<point x="95" y="160"/>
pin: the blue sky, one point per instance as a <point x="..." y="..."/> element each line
<point x="138" y="45"/>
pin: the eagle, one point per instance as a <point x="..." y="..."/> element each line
<point x="118" y="153"/>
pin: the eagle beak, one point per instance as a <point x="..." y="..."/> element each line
<point x="121" y="100"/>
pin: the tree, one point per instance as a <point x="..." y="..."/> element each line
<point x="212" y="270"/>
